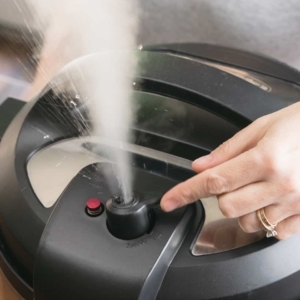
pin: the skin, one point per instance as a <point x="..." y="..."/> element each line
<point x="257" y="168"/>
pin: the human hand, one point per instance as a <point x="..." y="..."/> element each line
<point x="257" y="168"/>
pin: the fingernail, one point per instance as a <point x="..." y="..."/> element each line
<point x="169" y="205"/>
<point x="203" y="160"/>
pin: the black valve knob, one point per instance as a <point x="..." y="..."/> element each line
<point x="128" y="221"/>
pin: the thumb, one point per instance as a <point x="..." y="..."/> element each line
<point x="239" y="143"/>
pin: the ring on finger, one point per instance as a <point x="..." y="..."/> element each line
<point x="267" y="225"/>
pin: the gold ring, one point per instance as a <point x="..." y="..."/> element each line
<point x="267" y="225"/>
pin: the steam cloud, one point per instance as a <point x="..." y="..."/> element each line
<point x="74" y="28"/>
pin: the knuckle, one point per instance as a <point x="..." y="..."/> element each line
<point x="226" y="208"/>
<point x="216" y="184"/>
<point x="262" y="121"/>
<point x="256" y="156"/>
<point x="291" y="186"/>
<point x="187" y="196"/>
<point x="272" y="164"/>
<point x="223" y="148"/>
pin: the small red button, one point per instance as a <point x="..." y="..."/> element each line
<point x="94" y="207"/>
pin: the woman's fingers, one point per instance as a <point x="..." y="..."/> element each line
<point x="247" y="199"/>
<point x="227" y="177"/>
<point x="288" y="227"/>
<point x="256" y="168"/>
<point x="239" y="143"/>
<point x="275" y="214"/>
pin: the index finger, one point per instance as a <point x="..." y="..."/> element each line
<point x="229" y="176"/>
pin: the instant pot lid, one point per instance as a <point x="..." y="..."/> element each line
<point x="223" y="102"/>
<point x="165" y="128"/>
<point x="211" y="93"/>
